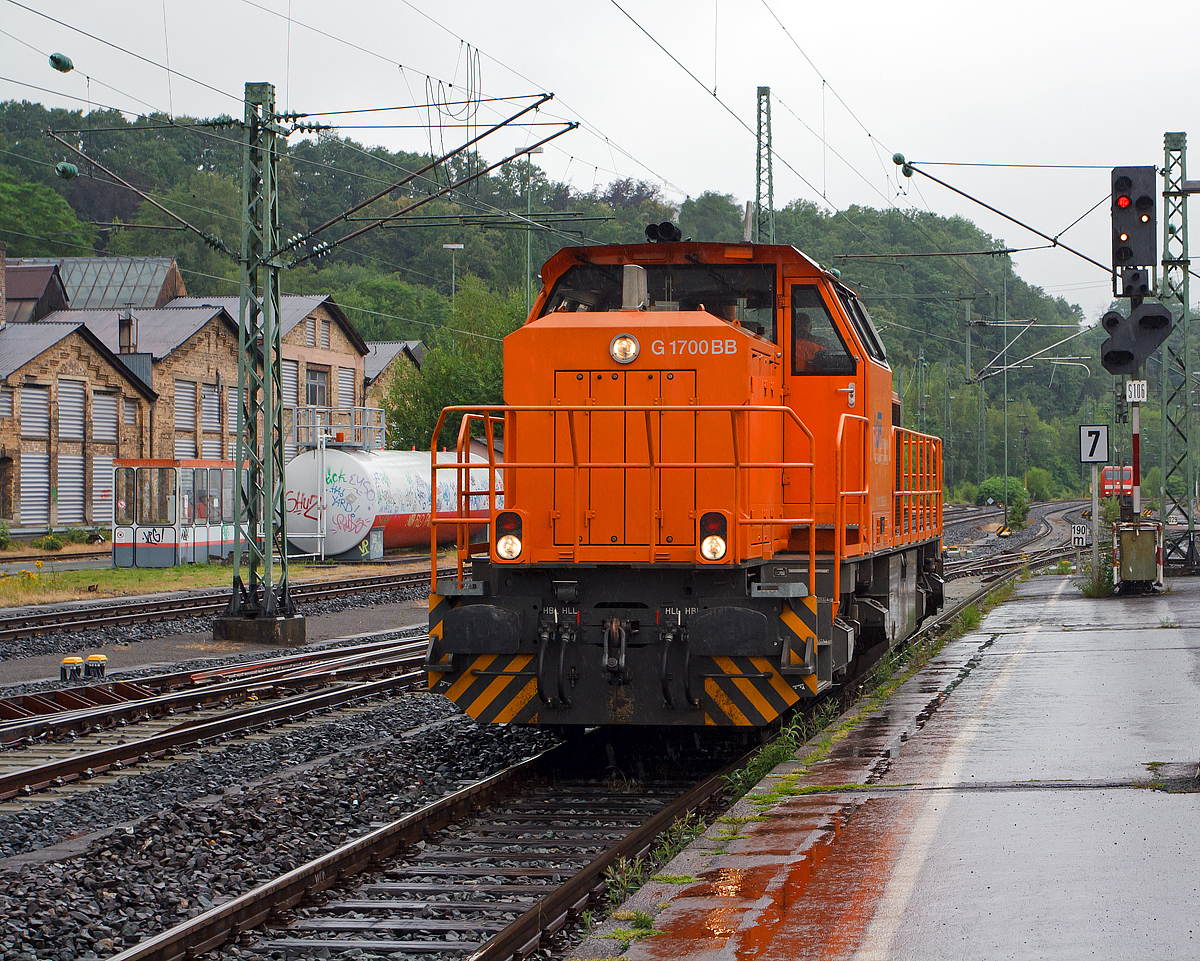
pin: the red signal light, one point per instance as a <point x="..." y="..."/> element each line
<point x="508" y="523"/>
<point x="1122" y="202"/>
<point x="713" y="523"/>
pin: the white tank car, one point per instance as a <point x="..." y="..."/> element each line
<point x="363" y="490"/>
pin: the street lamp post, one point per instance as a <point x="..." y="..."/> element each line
<point x="454" y="249"/>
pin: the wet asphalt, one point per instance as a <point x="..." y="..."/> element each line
<point x="1029" y="794"/>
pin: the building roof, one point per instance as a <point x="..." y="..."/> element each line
<point x="98" y="282"/>
<point x="21" y="343"/>
<point x="160" y="329"/>
<point x="25" y="281"/>
<point x="293" y="308"/>
<point x="383" y="352"/>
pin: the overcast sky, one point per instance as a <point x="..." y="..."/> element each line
<point x="1088" y="85"/>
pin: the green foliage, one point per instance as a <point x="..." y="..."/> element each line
<point x="1110" y="511"/>
<point x="1098" y="582"/>
<point x="5" y="536"/>
<point x="50" y="542"/>
<point x="462" y="366"/>
<point x="75" y="535"/>
<point x="993" y="487"/>
<point x="36" y="221"/>
<point x="1040" y="484"/>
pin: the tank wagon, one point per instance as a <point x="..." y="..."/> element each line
<point x="711" y="511"/>
<point x="346" y="494"/>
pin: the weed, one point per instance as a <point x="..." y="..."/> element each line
<point x="1064" y="567"/>
<point x="5" y="536"/>
<point x="1099" y="582"/>
<point x="624" y="877"/>
<point x="51" y="542"/>
<point x="75" y="535"/>
<point x="676" y="878"/>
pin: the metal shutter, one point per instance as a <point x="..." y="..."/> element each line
<point x="345" y="387"/>
<point x="35" y="414"/>
<point x="130" y="412"/>
<point x="70" y="488"/>
<point x="289" y="375"/>
<point x="325" y="334"/>
<point x="210" y="408"/>
<point x="231" y="402"/>
<point x="185" y="448"/>
<point x="185" y="405"/>
<point x="104" y="419"/>
<point x="210" y="449"/>
<point x="102" y="490"/>
<point x="6" y="402"/>
<point x="310" y="331"/>
<point x="35" y="484"/>
<point x="70" y="409"/>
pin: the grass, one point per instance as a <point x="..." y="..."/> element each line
<point x="643" y="927"/>
<point x="38" y="584"/>
<point x="629" y="874"/>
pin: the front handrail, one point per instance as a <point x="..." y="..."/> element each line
<point x="489" y="415"/>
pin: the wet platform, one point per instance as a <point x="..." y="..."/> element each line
<point x="1029" y="794"/>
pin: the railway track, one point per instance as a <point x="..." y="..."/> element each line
<point x="230" y="703"/>
<point x="519" y="856"/>
<point x="89" y="616"/>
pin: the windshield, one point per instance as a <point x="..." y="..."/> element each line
<point x="735" y="292"/>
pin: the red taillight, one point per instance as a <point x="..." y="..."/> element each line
<point x="508" y="522"/>
<point x="712" y="523"/>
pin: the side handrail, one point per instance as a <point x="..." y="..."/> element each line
<point x="841" y="494"/>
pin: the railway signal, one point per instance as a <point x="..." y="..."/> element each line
<point x="1133" y="217"/>
<point x="1134" y="338"/>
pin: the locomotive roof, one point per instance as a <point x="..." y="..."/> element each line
<point x="679" y="252"/>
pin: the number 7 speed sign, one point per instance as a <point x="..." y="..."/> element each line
<point x="1093" y="444"/>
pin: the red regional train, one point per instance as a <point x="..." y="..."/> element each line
<point x="702" y="506"/>
<point x="1116" y="481"/>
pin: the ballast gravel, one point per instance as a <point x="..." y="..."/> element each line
<point x="174" y="841"/>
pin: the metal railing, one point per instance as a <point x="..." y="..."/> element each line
<point x="743" y="522"/>
<point x="361" y="428"/>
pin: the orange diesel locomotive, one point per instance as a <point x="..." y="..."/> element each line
<point x="702" y="507"/>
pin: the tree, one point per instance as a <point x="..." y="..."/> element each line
<point x="35" y="221"/>
<point x="463" y="365"/>
<point x="711" y="216"/>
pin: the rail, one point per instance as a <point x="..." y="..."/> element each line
<point x="744" y="519"/>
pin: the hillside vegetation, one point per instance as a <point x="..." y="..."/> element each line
<point x="395" y="281"/>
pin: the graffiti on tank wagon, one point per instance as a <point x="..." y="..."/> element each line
<point x="302" y="504"/>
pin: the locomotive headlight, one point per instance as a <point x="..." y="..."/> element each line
<point x="508" y="547"/>
<point x="624" y="348"/>
<point x="712" y="548"/>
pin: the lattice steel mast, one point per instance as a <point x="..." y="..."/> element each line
<point x="764" y="195"/>
<point x="260" y="599"/>
<point x="1178" y="421"/>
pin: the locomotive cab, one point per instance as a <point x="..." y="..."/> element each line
<point x="708" y="513"/>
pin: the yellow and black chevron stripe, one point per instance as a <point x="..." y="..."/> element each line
<point x="741" y="700"/>
<point x="438" y="606"/>
<point x="498" y="689"/>
<point x="798" y="628"/>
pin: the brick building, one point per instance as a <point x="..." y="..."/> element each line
<point x="322" y="354"/>
<point x="190" y="357"/>
<point x="68" y="406"/>
<point x="381" y="362"/>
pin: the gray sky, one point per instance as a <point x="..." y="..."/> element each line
<point x="1056" y="82"/>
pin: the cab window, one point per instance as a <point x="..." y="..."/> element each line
<point x="817" y="345"/>
<point x="862" y="324"/>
